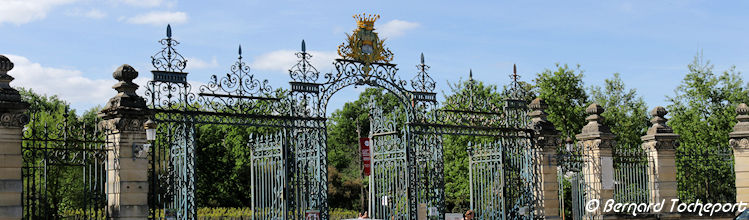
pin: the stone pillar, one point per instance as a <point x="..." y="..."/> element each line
<point x="127" y="167"/>
<point x="597" y="143"/>
<point x="12" y="119"/>
<point x="660" y="144"/>
<point x="740" y="144"/>
<point x="547" y="141"/>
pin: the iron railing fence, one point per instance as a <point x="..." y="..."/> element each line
<point x="64" y="166"/>
<point x="631" y="168"/>
<point x="630" y="173"/>
<point x="706" y="174"/>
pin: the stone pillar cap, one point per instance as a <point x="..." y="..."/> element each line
<point x="539" y="123"/>
<point x="741" y="129"/>
<point x="595" y="129"/>
<point x="126" y="101"/>
<point x="8" y="95"/>
<point x="660" y="131"/>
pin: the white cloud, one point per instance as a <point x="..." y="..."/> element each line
<point x="159" y="18"/>
<point x="396" y="28"/>
<point x="68" y="84"/>
<point x="142" y="3"/>
<point x="283" y="60"/>
<point x="196" y="63"/>
<point x="24" y="11"/>
<point x="93" y="13"/>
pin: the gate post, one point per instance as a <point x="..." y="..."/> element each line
<point x="547" y="140"/>
<point x="12" y="119"/>
<point x="597" y="143"/>
<point x="739" y="141"/>
<point x="660" y="145"/>
<point x="127" y="163"/>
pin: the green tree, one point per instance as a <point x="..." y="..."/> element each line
<point x="703" y="113"/>
<point x="626" y="112"/>
<point x="564" y="92"/>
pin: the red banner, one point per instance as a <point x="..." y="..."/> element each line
<point x="366" y="158"/>
<point x="312" y="215"/>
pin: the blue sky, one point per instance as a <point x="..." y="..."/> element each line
<point x="71" y="47"/>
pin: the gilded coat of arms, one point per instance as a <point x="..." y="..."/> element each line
<point x="364" y="45"/>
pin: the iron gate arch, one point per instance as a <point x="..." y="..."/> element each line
<point x="299" y="140"/>
<point x="240" y="99"/>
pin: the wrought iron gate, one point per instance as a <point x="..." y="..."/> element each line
<point x="503" y="178"/>
<point x="289" y="169"/>
<point x="267" y="159"/>
<point x="503" y="167"/>
<point x="389" y="182"/>
<point x="64" y="167"/>
<point x="289" y="176"/>
<point x="487" y="183"/>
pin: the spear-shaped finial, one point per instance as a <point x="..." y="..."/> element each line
<point x="304" y="47"/>
<point x="168" y="30"/>
<point x="470" y="74"/>
<point x="514" y="68"/>
<point x="240" y="51"/>
<point x="422" y="58"/>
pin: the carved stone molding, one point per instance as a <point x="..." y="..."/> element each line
<point x="14" y="119"/>
<point x="593" y="144"/>
<point x="123" y="124"/>
<point x="739" y="143"/>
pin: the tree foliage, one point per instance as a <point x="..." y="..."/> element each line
<point x="563" y="90"/>
<point x="626" y="112"/>
<point x="703" y="113"/>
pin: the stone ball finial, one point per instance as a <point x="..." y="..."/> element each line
<point x="659" y="111"/>
<point x="742" y="109"/>
<point x="5" y="64"/>
<point x="125" y="73"/>
<point x="538" y="104"/>
<point x="594" y="109"/>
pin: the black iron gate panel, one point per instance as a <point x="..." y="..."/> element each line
<point x="486" y="179"/>
<point x="268" y="176"/>
<point x="64" y="167"/>
<point x="503" y="178"/>
<point x="307" y="170"/>
<point x="172" y="171"/>
<point x="390" y="179"/>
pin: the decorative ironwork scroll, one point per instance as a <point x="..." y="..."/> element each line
<point x="168" y="59"/>
<point x="238" y="92"/>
